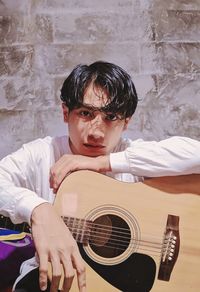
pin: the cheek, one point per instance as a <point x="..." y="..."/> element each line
<point x="77" y="130"/>
<point x="114" y="135"/>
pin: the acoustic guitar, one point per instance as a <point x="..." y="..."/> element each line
<point x="134" y="237"/>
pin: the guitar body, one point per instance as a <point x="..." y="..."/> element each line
<point x="126" y="241"/>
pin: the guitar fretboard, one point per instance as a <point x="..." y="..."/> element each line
<point x="5" y="222"/>
<point x="80" y="228"/>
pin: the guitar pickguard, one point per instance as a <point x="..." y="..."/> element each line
<point x="111" y="250"/>
<point x="135" y="274"/>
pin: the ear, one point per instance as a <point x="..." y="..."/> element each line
<point x="126" y="122"/>
<point x="65" y="112"/>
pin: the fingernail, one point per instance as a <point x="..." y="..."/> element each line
<point x="43" y="288"/>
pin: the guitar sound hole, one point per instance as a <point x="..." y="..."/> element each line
<point x="110" y="236"/>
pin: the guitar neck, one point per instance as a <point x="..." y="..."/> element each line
<point x="79" y="228"/>
<point x="5" y="222"/>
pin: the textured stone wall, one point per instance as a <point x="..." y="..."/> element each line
<point x="156" y="41"/>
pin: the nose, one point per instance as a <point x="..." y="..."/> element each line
<point x="96" y="129"/>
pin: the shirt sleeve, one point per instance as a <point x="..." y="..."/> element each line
<point x="172" y="156"/>
<point x="18" y="196"/>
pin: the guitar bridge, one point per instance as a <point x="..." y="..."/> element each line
<point x="170" y="248"/>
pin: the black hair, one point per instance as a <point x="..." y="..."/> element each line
<point x="117" y="83"/>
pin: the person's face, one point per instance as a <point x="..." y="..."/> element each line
<point x="93" y="132"/>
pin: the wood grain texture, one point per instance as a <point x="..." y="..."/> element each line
<point x="149" y="203"/>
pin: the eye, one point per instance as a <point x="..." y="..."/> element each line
<point x="85" y="113"/>
<point x="111" y="117"/>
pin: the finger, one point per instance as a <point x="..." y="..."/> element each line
<point x="43" y="271"/>
<point x="79" y="265"/>
<point x="57" y="173"/>
<point x="53" y="178"/>
<point x="56" y="273"/>
<point x="81" y="278"/>
<point x="68" y="274"/>
<point x="55" y="283"/>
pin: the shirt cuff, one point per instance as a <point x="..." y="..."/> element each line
<point x="119" y="163"/>
<point x="26" y="205"/>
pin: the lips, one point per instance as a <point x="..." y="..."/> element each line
<point x="94" y="146"/>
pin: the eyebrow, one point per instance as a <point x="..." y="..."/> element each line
<point x="90" y="107"/>
<point x="95" y="108"/>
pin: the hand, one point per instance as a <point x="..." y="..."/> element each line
<point x="69" y="163"/>
<point x="55" y="244"/>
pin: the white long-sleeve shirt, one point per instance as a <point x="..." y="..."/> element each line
<point x="24" y="175"/>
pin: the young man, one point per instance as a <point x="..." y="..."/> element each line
<point x="98" y="102"/>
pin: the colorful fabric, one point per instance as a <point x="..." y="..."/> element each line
<point x="15" y="248"/>
<point x="10" y="235"/>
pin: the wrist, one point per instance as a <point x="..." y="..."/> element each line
<point x="103" y="163"/>
<point x="40" y="211"/>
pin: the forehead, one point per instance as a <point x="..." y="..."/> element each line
<point x="95" y="96"/>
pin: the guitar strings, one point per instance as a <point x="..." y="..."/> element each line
<point x="122" y="244"/>
<point x="118" y="231"/>
<point x="120" y="237"/>
<point x="88" y="226"/>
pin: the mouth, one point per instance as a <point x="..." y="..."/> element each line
<point x="94" y="146"/>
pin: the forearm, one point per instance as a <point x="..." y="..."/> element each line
<point x="172" y="156"/>
<point x="17" y="203"/>
<point x="18" y="195"/>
